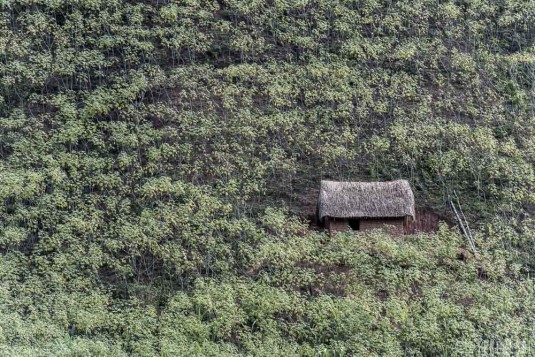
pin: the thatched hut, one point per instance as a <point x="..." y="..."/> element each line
<point x="365" y="205"/>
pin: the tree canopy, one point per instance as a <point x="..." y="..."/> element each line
<point x="158" y="160"/>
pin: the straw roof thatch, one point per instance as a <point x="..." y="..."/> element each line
<point x="365" y="199"/>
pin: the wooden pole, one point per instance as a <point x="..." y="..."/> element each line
<point x="463" y="229"/>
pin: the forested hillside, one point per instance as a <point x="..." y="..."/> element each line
<point x="159" y="160"/>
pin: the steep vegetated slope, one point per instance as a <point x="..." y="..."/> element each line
<point x="155" y="158"/>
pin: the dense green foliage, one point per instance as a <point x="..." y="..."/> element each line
<point x="157" y="158"/>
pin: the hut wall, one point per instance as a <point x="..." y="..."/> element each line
<point x="335" y="225"/>
<point x="376" y="223"/>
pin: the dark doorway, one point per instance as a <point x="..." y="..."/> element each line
<point x="354" y="224"/>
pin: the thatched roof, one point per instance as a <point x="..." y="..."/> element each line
<point x="365" y="199"/>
